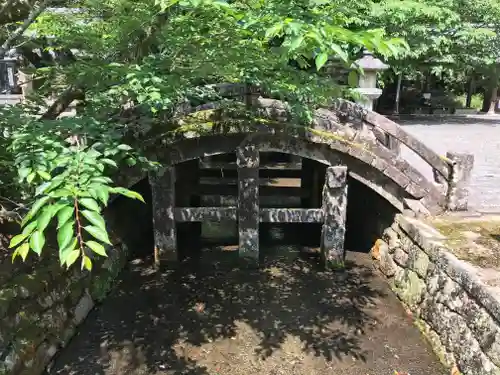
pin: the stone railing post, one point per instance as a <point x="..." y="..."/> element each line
<point x="335" y="211"/>
<point x="458" y="181"/>
<point x="248" y="162"/>
<point x="163" y="200"/>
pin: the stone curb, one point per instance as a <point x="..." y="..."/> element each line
<point x="432" y="243"/>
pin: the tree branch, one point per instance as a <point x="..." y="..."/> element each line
<point x="6" y="6"/>
<point x="62" y="103"/>
<point x="35" y="12"/>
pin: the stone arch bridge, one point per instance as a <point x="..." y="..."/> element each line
<point x="343" y="140"/>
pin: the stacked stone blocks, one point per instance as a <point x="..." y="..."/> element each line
<point x="454" y="309"/>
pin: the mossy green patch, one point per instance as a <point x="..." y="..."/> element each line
<point x="476" y="240"/>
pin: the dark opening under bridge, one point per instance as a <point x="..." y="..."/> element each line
<point x="342" y="140"/>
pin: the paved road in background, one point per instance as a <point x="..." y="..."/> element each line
<point x="479" y="136"/>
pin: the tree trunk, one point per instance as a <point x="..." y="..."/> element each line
<point x="398" y="93"/>
<point x="470" y="92"/>
<point x="490" y="100"/>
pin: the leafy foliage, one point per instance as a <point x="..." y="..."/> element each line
<point x="138" y="59"/>
<point x="447" y="36"/>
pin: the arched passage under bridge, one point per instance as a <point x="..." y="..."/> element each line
<point x="343" y="140"/>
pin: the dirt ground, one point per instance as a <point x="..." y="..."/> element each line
<point x="286" y="318"/>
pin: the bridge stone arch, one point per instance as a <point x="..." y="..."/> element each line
<point x="374" y="175"/>
<point x="344" y="137"/>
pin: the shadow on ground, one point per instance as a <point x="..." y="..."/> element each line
<point x="288" y="317"/>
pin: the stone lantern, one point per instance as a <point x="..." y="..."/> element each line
<point x="367" y="84"/>
<point x="367" y="88"/>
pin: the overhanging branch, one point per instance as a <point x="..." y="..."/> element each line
<point x="35" y="12"/>
<point x="62" y="103"/>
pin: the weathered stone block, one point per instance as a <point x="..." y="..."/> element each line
<point x="387" y="265"/>
<point x="409" y="287"/>
<point x="335" y="210"/>
<point x="83" y="308"/>
<point x="492" y="348"/>
<point x="248" y="161"/>
<point x="377" y="248"/>
<point x="444" y="355"/>
<point x="163" y="200"/>
<point x="419" y="262"/>
<point x="391" y="237"/>
<point x="458" y="183"/>
<point x="400" y="257"/>
<point x="486" y="331"/>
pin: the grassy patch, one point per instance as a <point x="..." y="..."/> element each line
<point x="476" y="240"/>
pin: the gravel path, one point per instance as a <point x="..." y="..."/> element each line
<point x="288" y="318"/>
<point x="479" y="136"/>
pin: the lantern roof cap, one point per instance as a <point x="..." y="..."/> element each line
<point x="369" y="62"/>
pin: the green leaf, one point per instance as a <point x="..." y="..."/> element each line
<point x="45" y="216"/>
<point x="64" y="215"/>
<point x="72" y="257"/>
<point x="44" y="175"/>
<point x="296" y="42"/>
<point x="65" y="234"/>
<point x="16" y="240"/>
<point x="321" y="60"/>
<point x="42" y="188"/>
<point x="94" y="218"/>
<point x="31" y="177"/>
<point x="89" y="203"/>
<point x="131" y="162"/>
<point x="97" y="248"/>
<point x="22" y="251"/>
<point x="127" y="193"/>
<point x="86" y="263"/>
<point x="352" y="79"/>
<point x="37" y="241"/>
<point x="24" y="172"/>
<point x="98" y="233"/>
<point x="56" y="182"/>
<point x="124" y="147"/>
<point x="34" y="209"/>
<point x="110" y="162"/>
<point x="60" y="193"/>
<point x="274" y="30"/>
<point x="100" y="192"/>
<point x="64" y="252"/>
<point x="340" y="52"/>
<point x="101" y="180"/>
<point x="30" y="227"/>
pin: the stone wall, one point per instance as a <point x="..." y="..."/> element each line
<point x="41" y="304"/>
<point x="459" y="315"/>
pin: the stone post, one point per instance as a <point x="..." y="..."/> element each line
<point x="247" y="160"/>
<point x="459" y="181"/>
<point x="334" y="208"/>
<point x="163" y="201"/>
<point x="440" y="181"/>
